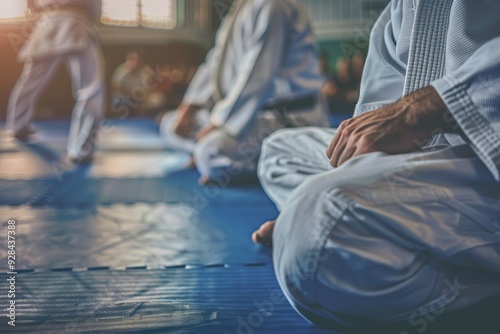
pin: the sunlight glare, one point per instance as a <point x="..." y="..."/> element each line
<point x="121" y="12"/>
<point x="13" y="9"/>
<point x="159" y="13"/>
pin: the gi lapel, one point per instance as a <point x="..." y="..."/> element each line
<point x="226" y="38"/>
<point x="426" y="61"/>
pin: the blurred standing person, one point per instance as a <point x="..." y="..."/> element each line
<point x="63" y="33"/>
<point x="329" y="89"/>
<point x="356" y="68"/>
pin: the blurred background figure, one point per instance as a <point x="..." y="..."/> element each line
<point x="329" y="89"/>
<point x="63" y="33"/>
<point x="341" y="89"/>
<point x="265" y="58"/>
<point x="134" y="87"/>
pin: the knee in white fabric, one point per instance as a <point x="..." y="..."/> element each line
<point x="269" y="146"/>
<point x="280" y="136"/>
<point x="293" y="141"/>
<point x="217" y="157"/>
<point x="337" y="257"/>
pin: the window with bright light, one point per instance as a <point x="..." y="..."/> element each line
<point x="160" y="14"/>
<point x="13" y="10"/>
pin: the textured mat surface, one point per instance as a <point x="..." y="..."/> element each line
<point x="121" y="236"/>
<point x="181" y="186"/>
<point x="127" y="149"/>
<point x="234" y="299"/>
<point x="201" y="300"/>
<point x="29" y="162"/>
<point x="130" y="167"/>
<point x="18" y="192"/>
<point x="74" y="189"/>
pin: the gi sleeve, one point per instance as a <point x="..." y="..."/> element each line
<point x="384" y="73"/>
<point x="472" y="96"/>
<point x="201" y="88"/>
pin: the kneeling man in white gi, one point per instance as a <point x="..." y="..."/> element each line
<point x="264" y="55"/>
<point x="401" y="219"/>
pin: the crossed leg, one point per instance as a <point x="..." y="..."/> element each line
<point x="382" y="238"/>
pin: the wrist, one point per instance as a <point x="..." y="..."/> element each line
<point x="427" y="112"/>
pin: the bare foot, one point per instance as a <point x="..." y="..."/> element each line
<point x="264" y="235"/>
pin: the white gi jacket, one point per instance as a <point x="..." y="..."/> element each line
<point x="271" y="54"/>
<point x="458" y="53"/>
<point x="60" y="31"/>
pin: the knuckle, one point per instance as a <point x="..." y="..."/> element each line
<point x="343" y="125"/>
<point x="365" y="145"/>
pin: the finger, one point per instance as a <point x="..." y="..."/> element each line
<point x="334" y="142"/>
<point x="347" y="154"/>
<point x="337" y="137"/>
<point x="337" y="152"/>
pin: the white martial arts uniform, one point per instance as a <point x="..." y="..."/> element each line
<point x="63" y="34"/>
<point x="406" y="237"/>
<point x="265" y="51"/>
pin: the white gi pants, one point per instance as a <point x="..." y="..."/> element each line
<point x="86" y="70"/>
<point x="383" y="238"/>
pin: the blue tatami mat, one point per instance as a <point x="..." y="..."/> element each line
<point x="236" y="299"/>
<point x="131" y="166"/>
<point x="120" y="236"/>
<point x="181" y="186"/>
<point x="132" y="244"/>
<point x="75" y="189"/>
<point x="18" y="192"/>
